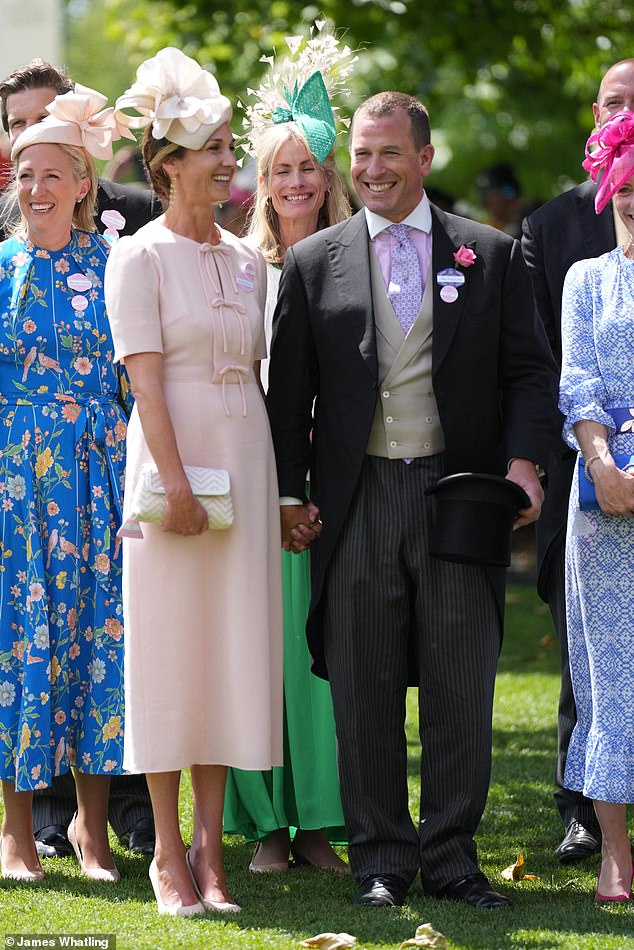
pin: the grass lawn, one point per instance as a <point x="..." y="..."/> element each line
<point x="556" y="910"/>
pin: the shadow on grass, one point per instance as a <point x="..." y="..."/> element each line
<point x="553" y="912"/>
<point x="281" y="910"/>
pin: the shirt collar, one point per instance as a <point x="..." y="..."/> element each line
<point x="419" y="218"/>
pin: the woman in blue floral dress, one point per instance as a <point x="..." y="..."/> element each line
<point x="62" y="455"/>
<point x="597" y="399"/>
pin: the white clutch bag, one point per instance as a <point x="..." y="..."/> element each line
<point x="211" y="487"/>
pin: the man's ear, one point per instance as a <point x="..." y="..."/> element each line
<point x="426" y="158"/>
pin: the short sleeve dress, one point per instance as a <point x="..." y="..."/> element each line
<point x="597" y="376"/>
<point x="203" y="662"/>
<point x="62" y="461"/>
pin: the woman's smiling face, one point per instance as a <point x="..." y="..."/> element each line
<point x="48" y="190"/>
<point x="296" y="182"/>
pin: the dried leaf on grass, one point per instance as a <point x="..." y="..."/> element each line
<point x="426" y="936"/>
<point x="330" y="941"/>
<point x="516" y="872"/>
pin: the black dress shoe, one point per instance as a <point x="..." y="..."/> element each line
<point x="140" y="838"/>
<point x="578" y="843"/>
<point x="475" y="890"/>
<point x="381" y="890"/>
<point x="52" y="842"/>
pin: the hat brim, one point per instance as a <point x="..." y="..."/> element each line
<point x="474" y="518"/>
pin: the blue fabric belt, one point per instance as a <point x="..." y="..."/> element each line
<point x="622" y="414"/>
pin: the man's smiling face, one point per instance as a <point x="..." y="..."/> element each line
<point x="386" y="167"/>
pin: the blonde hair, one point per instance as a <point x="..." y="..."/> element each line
<point x="264" y="226"/>
<point x="82" y="166"/>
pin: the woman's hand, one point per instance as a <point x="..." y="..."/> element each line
<point x="184" y="514"/>
<point x="614" y="488"/>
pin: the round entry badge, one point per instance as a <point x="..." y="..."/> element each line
<point x="449" y="294"/>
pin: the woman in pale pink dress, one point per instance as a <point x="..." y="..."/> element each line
<point x="202" y="608"/>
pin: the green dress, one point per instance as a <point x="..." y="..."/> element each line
<point x="304" y="792"/>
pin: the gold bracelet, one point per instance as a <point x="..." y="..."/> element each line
<point x="586" y="467"/>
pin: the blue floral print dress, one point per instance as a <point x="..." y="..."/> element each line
<point x="62" y="458"/>
<point x="597" y="378"/>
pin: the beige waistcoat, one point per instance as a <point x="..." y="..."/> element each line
<point x="406" y="421"/>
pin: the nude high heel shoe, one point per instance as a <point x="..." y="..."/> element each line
<point x="173" y="910"/>
<point x="223" y="907"/>
<point x="105" y="875"/>
<point x="24" y="877"/>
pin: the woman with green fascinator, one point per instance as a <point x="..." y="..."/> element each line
<point x="291" y="131"/>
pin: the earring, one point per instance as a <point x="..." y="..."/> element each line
<point x="172" y="194"/>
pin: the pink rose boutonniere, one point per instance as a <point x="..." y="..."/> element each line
<point x="464" y="256"/>
<point x="450" y="278"/>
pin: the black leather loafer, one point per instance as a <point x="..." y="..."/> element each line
<point x="578" y="843"/>
<point x="381" y="890"/>
<point x="475" y="890"/>
<point x="140" y="838"/>
<point x="52" y="842"/>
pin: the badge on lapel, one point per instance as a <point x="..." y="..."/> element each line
<point x="114" y="223"/>
<point x="450" y="278"/>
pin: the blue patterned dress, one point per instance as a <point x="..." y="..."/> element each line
<point x="62" y="456"/>
<point x="598" y="374"/>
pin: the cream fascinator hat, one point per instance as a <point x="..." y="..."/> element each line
<point x="177" y="97"/>
<point x="298" y="89"/>
<point x="76" y="118"/>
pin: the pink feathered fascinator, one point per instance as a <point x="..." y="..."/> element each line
<point x="610" y="154"/>
<point x="76" y="118"/>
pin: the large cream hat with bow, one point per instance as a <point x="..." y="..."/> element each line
<point x="177" y="97"/>
<point x="76" y="118"/>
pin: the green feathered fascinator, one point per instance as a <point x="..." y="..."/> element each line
<point x="298" y="88"/>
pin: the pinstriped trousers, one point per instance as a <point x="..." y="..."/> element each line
<point x="392" y="616"/>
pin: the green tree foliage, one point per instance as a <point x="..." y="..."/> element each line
<point x="510" y="80"/>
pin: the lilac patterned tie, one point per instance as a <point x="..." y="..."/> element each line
<point x="405" y="289"/>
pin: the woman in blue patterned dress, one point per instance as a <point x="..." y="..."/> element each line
<point x="62" y="445"/>
<point x="597" y="399"/>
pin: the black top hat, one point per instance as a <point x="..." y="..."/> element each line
<point x="474" y="518"/>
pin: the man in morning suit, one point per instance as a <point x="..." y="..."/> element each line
<point x="410" y="382"/>
<point x="24" y="95"/>
<point x="559" y="233"/>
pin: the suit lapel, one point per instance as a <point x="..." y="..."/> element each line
<point x="447" y="316"/>
<point x="349" y="256"/>
<point x="599" y="235"/>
